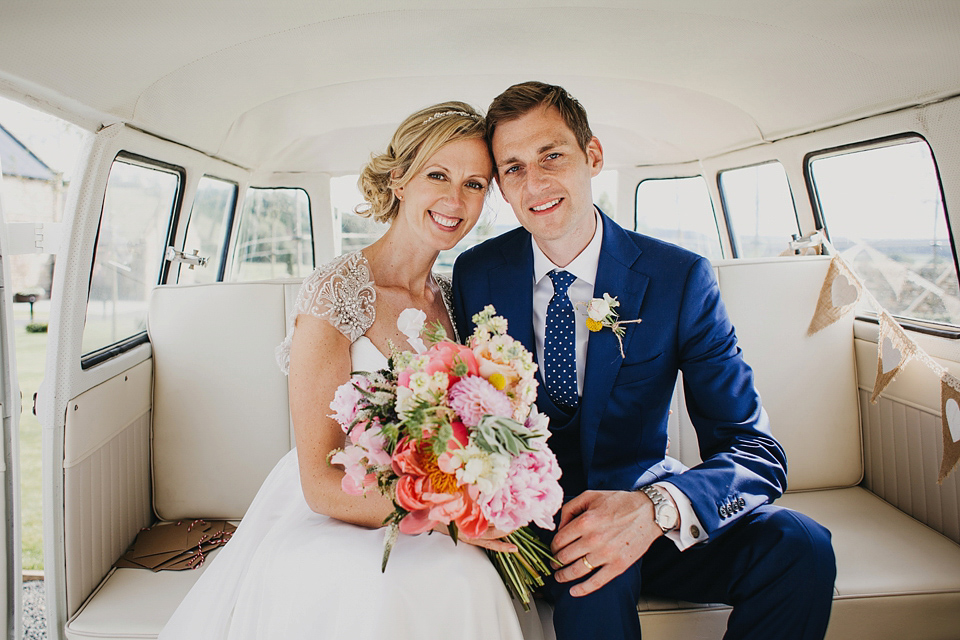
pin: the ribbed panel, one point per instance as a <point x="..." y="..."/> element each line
<point x="107" y="498"/>
<point x="902" y="447"/>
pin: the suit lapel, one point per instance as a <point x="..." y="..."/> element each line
<point x="511" y="290"/>
<point x="615" y="276"/>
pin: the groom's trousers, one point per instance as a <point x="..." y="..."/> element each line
<point x="775" y="566"/>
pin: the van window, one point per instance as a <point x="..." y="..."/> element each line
<point x="275" y="238"/>
<point x="356" y="232"/>
<point x="207" y="228"/>
<point x="883" y="210"/>
<point x="679" y="210"/>
<point x="759" y="209"/>
<point x="138" y="206"/>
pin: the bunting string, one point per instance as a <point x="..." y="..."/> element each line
<point x="841" y="291"/>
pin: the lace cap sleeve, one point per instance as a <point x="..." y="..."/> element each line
<point x="342" y="292"/>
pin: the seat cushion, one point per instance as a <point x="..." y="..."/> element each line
<point x="896" y="578"/>
<point x="133" y="603"/>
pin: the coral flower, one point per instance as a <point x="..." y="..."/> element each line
<point x="445" y="356"/>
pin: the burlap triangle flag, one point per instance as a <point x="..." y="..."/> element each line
<point x="838" y="295"/>
<point x="950" y="416"/>
<point x="894" y="351"/>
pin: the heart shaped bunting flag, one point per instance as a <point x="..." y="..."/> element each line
<point x="840" y="292"/>
<point x="950" y="412"/>
<point x="895" y="350"/>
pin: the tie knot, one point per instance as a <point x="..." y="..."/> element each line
<point x="561" y="281"/>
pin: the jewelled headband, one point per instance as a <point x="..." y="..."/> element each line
<point x="443" y="114"/>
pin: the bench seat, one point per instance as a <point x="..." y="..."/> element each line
<point x="889" y="567"/>
<point x="896" y="577"/>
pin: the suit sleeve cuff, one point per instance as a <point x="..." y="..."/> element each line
<point x="689" y="532"/>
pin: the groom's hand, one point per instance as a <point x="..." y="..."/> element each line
<point x="610" y="529"/>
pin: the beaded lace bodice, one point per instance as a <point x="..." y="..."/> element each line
<point x="343" y="292"/>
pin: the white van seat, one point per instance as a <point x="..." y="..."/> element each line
<point x="896" y="577"/>
<point x="220" y="400"/>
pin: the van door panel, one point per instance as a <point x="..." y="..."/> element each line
<point x="106" y="474"/>
<point x="902" y="435"/>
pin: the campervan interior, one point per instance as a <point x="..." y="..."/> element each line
<point x="223" y="138"/>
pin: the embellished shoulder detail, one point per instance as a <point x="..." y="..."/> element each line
<point x="446" y="289"/>
<point x="341" y="291"/>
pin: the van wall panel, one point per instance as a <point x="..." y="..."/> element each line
<point x="107" y="497"/>
<point x="918" y="499"/>
<point x="902" y="451"/>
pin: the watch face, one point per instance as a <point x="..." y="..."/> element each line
<point x="667" y="517"/>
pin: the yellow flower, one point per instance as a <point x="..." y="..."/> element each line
<point x="594" y="325"/>
<point x="498" y="380"/>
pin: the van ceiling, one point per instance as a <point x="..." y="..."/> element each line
<point x="314" y="85"/>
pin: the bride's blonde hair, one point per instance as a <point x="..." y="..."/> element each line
<point x="414" y="142"/>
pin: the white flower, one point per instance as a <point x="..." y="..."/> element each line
<point x="487" y="471"/>
<point x="410" y="323"/>
<point x="599" y="308"/>
<point x="405" y="400"/>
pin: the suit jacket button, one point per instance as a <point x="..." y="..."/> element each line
<point x="723" y="511"/>
<point x="743" y="503"/>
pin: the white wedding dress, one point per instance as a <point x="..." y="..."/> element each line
<point x="290" y="573"/>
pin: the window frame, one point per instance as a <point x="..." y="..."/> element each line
<point x="929" y="327"/>
<point x="228" y="230"/>
<point x="716" y="221"/>
<point x="731" y="234"/>
<point x="237" y="220"/>
<point x="107" y="352"/>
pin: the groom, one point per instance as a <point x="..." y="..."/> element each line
<point x="634" y="521"/>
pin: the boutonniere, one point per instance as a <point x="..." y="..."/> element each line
<point x="601" y="314"/>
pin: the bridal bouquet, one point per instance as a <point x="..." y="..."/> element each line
<point x="452" y="436"/>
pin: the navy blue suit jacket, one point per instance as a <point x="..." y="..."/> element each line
<point x="625" y="401"/>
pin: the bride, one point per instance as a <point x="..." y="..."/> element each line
<point x="305" y="561"/>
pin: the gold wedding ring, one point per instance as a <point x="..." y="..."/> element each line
<point x="586" y="563"/>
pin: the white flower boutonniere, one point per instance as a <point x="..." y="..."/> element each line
<point x="600" y="314"/>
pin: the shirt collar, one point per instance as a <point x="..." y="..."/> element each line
<point x="584" y="266"/>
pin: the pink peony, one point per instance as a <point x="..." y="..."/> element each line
<point x="473" y="397"/>
<point x="345" y="401"/>
<point x="531" y="493"/>
<point x="373" y="441"/>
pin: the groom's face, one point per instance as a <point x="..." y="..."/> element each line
<point x="545" y="176"/>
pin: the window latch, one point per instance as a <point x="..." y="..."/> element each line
<point x="812" y="241"/>
<point x="175" y="255"/>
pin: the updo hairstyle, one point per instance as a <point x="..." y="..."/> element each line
<point x="415" y="141"/>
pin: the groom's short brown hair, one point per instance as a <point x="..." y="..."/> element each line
<point x="523" y="98"/>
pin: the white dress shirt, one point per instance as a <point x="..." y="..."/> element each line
<point x="584" y="267"/>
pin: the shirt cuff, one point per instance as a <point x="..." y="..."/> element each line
<point x="689" y="532"/>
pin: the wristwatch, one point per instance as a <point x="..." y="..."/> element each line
<point x="665" y="514"/>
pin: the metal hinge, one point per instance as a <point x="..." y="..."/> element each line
<point x="33" y="237"/>
<point x="192" y="259"/>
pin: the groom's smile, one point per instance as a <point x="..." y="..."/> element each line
<point x="546" y="206"/>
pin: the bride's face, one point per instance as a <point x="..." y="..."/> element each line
<point x="443" y="201"/>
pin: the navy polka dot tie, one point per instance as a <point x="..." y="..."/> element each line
<point x="560" y="344"/>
